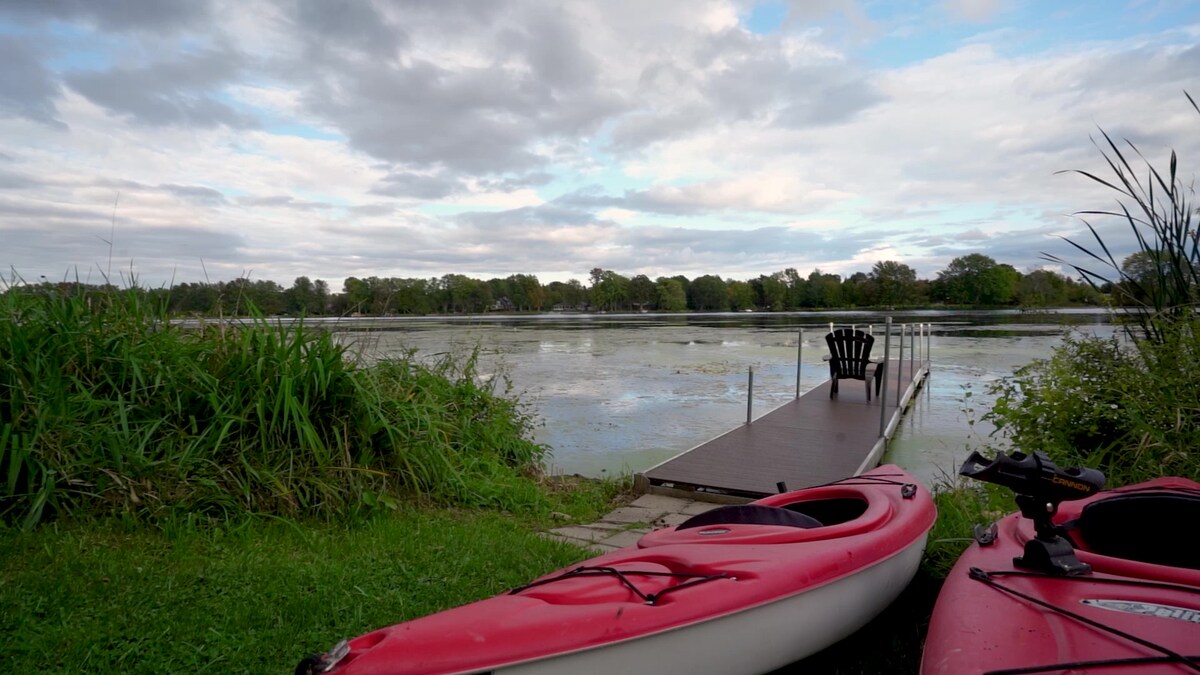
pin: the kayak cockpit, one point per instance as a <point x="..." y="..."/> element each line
<point x="834" y="511"/>
<point x="1142" y="526"/>
<point x="830" y="511"/>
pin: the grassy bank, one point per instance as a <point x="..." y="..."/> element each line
<point x="108" y="408"/>
<point x="258" y="595"/>
<point x="252" y="597"/>
<point x="235" y="496"/>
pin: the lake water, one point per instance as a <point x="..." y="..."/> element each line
<point x="615" y="393"/>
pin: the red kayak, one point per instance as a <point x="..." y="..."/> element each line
<point x="1122" y="596"/>
<point x="738" y="589"/>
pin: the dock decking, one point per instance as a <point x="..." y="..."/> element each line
<point x="808" y="441"/>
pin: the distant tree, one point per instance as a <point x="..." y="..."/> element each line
<point x="977" y="279"/>
<point x="238" y="296"/>
<point x="642" y="292"/>
<point x="685" y="284"/>
<point x="895" y="282"/>
<point x="568" y="295"/>
<point x="1080" y="292"/>
<point x="1140" y="275"/>
<point x="503" y="289"/>
<point x="413" y="296"/>
<point x="708" y="293"/>
<point x="321" y="291"/>
<point x="609" y="290"/>
<point x="741" y="295"/>
<point x="194" y="298"/>
<point x="527" y="291"/>
<point x="358" y="295"/>
<point x="382" y="291"/>
<point x="1003" y="283"/>
<point x="774" y="294"/>
<point x="305" y="297"/>
<point x="858" y="290"/>
<point x="478" y="297"/>
<point x="823" y="290"/>
<point x="1042" y="288"/>
<point x="670" y="295"/>
<point x="464" y="294"/>
<point x="797" y="288"/>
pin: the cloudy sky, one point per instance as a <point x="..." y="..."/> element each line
<point x="279" y="138"/>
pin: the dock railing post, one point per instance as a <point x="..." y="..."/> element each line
<point x="921" y="344"/>
<point x="883" y="390"/>
<point x="912" y="353"/>
<point x="750" y="396"/>
<point x="929" y="346"/>
<point x="799" y="359"/>
<point x="900" y="365"/>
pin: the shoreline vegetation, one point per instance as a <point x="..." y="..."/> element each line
<point x="969" y="281"/>
<point x="128" y="543"/>
<point x="235" y="497"/>
<point x="177" y="497"/>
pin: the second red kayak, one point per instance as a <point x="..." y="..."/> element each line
<point x="1122" y="597"/>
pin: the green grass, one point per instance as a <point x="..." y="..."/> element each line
<point x="108" y="408"/>
<point x="961" y="505"/>
<point x="258" y="594"/>
<point x="254" y="596"/>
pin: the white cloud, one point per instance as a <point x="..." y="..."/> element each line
<point x="508" y="137"/>
<point x="977" y="11"/>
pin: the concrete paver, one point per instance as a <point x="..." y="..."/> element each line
<point x="582" y="533"/>
<point x="635" y="514"/>
<point x="624" y="526"/>
<point x="661" y="502"/>
<point x="672" y="519"/>
<point x="626" y="538"/>
<point x="694" y="508"/>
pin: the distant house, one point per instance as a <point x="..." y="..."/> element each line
<point x="503" y="305"/>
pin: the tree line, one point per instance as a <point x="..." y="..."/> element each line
<point x="971" y="280"/>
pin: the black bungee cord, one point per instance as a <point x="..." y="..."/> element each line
<point x="1170" y="656"/>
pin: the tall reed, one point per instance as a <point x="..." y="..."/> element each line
<point x="1161" y="215"/>
<point x="1134" y="412"/>
<point x="106" y="406"/>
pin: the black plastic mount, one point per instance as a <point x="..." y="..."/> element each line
<point x="1049" y="551"/>
<point x="1040" y="487"/>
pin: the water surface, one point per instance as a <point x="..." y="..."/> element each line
<point x="624" y="392"/>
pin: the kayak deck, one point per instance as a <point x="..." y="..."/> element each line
<point x="1135" y="614"/>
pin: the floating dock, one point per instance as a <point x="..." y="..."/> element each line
<point x="811" y="440"/>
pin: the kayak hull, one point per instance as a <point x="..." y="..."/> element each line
<point x="757" y="640"/>
<point x="981" y="625"/>
<point x="736" y="597"/>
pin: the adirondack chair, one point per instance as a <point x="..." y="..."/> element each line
<point x="850" y="359"/>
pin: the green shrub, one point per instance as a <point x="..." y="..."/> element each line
<point x="1097" y="402"/>
<point x="106" y="406"/>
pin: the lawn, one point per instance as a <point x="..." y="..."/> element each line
<point x="252" y="597"/>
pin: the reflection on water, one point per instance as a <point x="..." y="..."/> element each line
<point x="623" y="392"/>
